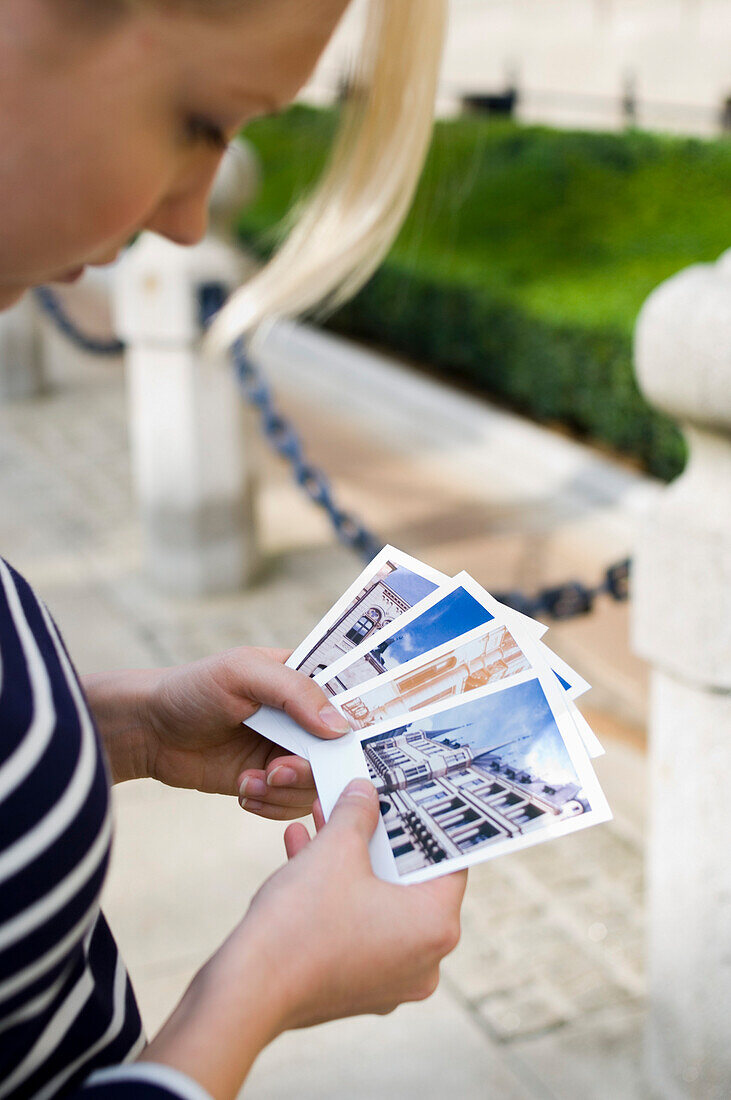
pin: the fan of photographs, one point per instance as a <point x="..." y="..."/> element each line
<point x="463" y="719"/>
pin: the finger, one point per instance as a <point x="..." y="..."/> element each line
<point x="318" y="815"/>
<point x="275" y="813"/>
<point x="252" y="784"/>
<point x="254" y="787"/>
<point x="289" y="771"/>
<point x="296" y="838"/>
<point x="447" y="890"/>
<point x="282" y="771"/>
<point x="265" y="680"/>
<point x="280" y="655"/>
<point x="355" y="814"/>
<point x="290" y="800"/>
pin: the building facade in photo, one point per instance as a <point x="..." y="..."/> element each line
<point x="439" y="801"/>
<point x="483" y="660"/>
<point x="376" y="606"/>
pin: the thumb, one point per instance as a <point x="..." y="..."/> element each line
<point x="265" y="680"/>
<point x="356" y="811"/>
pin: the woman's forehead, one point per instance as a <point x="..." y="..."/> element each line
<point x="266" y="48"/>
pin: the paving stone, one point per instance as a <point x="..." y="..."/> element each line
<point x="477" y="968"/>
<point x="529" y="1007"/>
<point x="597" y="906"/>
<point x="490" y="892"/>
<point x="419" y="1052"/>
<point x="598" y="1057"/>
<point x="592" y="992"/>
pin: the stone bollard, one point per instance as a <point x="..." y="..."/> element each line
<point x="191" y="466"/>
<point x="682" y="625"/>
<point x="21" y="351"/>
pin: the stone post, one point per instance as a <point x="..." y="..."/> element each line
<point x="21" y="352"/>
<point x="682" y="625"/>
<point x="191" y="465"/>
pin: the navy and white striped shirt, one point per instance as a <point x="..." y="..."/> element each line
<point x="69" y="1023"/>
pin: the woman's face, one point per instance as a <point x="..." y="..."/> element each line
<point x="112" y="127"/>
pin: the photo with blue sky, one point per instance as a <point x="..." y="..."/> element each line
<point x="517" y="723"/>
<point x="457" y="613"/>
<point x="409" y="585"/>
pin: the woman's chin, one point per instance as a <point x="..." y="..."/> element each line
<point x="11" y="295"/>
<point x="71" y="276"/>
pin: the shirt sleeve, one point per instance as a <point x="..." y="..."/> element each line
<point x="139" y="1081"/>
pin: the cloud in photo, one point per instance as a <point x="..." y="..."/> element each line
<point x="516" y="721"/>
<point x="404" y="647"/>
<point x="457" y="613"/>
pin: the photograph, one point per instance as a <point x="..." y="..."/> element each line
<point x="391" y="585"/>
<point x="483" y="775"/>
<point x="481" y="657"/>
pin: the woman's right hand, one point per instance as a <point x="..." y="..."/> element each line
<point x="323" y="938"/>
<point x="344" y="941"/>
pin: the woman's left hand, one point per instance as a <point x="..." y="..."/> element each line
<point x="187" y="729"/>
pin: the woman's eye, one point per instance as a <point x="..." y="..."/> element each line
<point x="201" y="131"/>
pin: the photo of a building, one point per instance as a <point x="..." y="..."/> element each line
<point x="472" y="779"/>
<point x="392" y="592"/>
<point x="492" y="655"/>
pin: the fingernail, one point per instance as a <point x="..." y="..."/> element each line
<point x="250" y="805"/>
<point x="281" y="776"/>
<point x="334" y="721"/>
<point x="360" y="788"/>
<point x="252" y="787"/>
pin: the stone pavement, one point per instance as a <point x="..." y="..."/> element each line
<point x="544" y="996"/>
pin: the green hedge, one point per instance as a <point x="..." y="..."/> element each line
<point x="525" y="259"/>
<point x="577" y="377"/>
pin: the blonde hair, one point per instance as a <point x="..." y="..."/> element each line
<point x="337" y="237"/>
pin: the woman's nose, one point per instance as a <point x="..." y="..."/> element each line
<point x="182" y="216"/>
<point x="181" y="222"/>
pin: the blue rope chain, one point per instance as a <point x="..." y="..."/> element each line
<point x="53" y="309"/>
<point x="564" y="601"/>
<point x="283" y="437"/>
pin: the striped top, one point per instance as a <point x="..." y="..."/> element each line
<point x="69" y="1023"/>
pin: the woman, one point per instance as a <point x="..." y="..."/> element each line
<point x="113" y="118"/>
